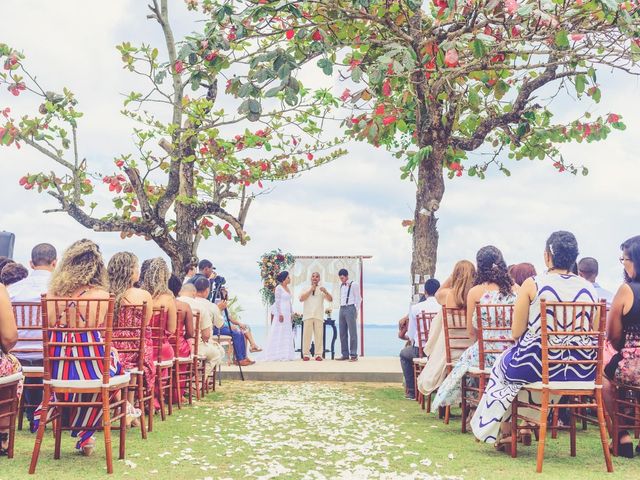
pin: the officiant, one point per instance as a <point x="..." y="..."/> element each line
<point x="313" y="300"/>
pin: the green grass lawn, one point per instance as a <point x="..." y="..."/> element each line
<point x="312" y="431"/>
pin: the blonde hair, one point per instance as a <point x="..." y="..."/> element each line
<point x="156" y="278"/>
<point x="120" y="270"/>
<point x="81" y="265"/>
<point x="463" y="278"/>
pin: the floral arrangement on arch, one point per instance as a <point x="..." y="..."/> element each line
<point x="296" y="319"/>
<point x="271" y="264"/>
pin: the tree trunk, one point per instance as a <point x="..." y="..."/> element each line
<point x="428" y="197"/>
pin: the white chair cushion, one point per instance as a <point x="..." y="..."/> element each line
<point x="188" y="359"/>
<point x="113" y="382"/>
<point x="33" y="370"/>
<point x="202" y="357"/>
<point x="135" y="371"/>
<point x="563" y="385"/>
<point x="14" y="377"/>
<point x="420" y="361"/>
<point x="165" y="363"/>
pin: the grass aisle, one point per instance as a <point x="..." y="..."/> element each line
<point x="312" y="431"/>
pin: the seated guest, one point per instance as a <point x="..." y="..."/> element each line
<point x="122" y="271"/>
<point x="623" y="332"/>
<point x="43" y="261"/>
<point x="184" y="330"/>
<point x="452" y="294"/>
<point x="9" y="365"/>
<point x="407" y="354"/>
<point x="196" y="296"/>
<point x="13" y="273"/>
<point x="520" y="272"/>
<point x="588" y="269"/>
<point x="493" y="286"/>
<point x="522" y="363"/>
<point x="143" y="269"/>
<point x="237" y="325"/>
<point x="4" y="261"/>
<point x="81" y="273"/>
<point x="156" y="282"/>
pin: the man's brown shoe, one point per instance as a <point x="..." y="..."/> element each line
<point x="342" y="359"/>
<point x="245" y="362"/>
<point x="305" y="358"/>
<point x="353" y="359"/>
<point x="319" y="358"/>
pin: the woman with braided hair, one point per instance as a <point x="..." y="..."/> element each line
<point x="123" y="273"/>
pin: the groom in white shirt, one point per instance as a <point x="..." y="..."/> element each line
<point x="349" y="304"/>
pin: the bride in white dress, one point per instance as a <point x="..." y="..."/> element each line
<point x="280" y="342"/>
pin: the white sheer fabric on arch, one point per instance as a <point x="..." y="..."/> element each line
<point x="328" y="269"/>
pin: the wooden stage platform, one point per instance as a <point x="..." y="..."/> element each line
<point x="366" y="369"/>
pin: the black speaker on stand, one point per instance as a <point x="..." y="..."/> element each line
<point x="7" y="239"/>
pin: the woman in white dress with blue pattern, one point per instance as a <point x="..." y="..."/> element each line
<point x="521" y="364"/>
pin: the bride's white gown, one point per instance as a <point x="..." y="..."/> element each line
<point x="280" y="342"/>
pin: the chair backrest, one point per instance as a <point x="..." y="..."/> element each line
<point x="196" y="326"/>
<point x="130" y="338"/>
<point x="181" y="318"/>
<point x="423" y="321"/>
<point x="570" y="339"/>
<point x="28" y="317"/>
<point x="493" y="327"/>
<point x="456" y="338"/>
<point x="157" y="327"/>
<point x="71" y="346"/>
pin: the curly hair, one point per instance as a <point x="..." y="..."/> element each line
<point x="120" y="271"/>
<point x="156" y="278"/>
<point x="463" y="276"/>
<point x="13" y="273"/>
<point x="81" y="265"/>
<point x="563" y="248"/>
<point x="493" y="269"/>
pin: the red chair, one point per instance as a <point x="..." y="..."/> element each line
<point x="9" y="405"/>
<point x="454" y="325"/>
<point x="164" y="368"/>
<point x="423" y="320"/>
<point x="131" y="340"/>
<point x="559" y="322"/>
<point x="66" y="333"/>
<point x="494" y="337"/>
<point x="29" y="321"/>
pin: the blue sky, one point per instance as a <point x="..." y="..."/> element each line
<point x="353" y="206"/>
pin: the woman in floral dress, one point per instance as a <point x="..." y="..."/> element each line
<point x="493" y="286"/>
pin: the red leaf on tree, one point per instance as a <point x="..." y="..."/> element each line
<point x="317" y="36"/>
<point x="290" y="34"/>
<point x="178" y="66"/>
<point x="310" y="156"/>
<point x="211" y="56"/>
<point x="386" y="88"/>
<point x="388" y="120"/>
<point x="613" y="118"/>
<point x="511" y="5"/>
<point x="380" y="109"/>
<point x="345" y="95"/>
<point x="451" y="58"/>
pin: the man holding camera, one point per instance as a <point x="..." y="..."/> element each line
<point x="313" y="303"/>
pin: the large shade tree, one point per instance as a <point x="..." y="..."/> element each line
<point x="209" y="130"/>
<point x="456" y="87"/>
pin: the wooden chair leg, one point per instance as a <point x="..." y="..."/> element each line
<point x="544" y="413"/>
<point x="106" y="423"/>
<point x="151" y="394"/>
<point x="57" y="435"/>
<point x="123" y="424"/>
<point x="190" y="377"/>
<point x="176" y="386"/>
<point x="572" y="432"/>
<point x="463" y="390"/>
<point x="170" y="399"/>
<point x="160" y="389"/>
<point x="142" y="406"/>
<point x="447" y="414"/>
<point x="196" y="378"/>
<point x="40" y="435"/>
<point x="12" y="422"/>
<point x="603" y="431"/>
<point x="428" y="402"/>
<point x="514" y="428"/>
<point x="21" y="408"/>
<point x="555" y="422"/>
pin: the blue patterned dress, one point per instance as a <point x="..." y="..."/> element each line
<point x="449" y="392"/>
<point x="521" y="364"/>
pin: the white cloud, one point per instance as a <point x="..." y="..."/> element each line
<point x="353" y="206"/>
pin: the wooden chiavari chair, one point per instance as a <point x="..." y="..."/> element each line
<point x="567" y="329"/>
<point x="493" y="332"/>
<point x="9" y="405"/>
<point x="164" y="386"/>
<point x="182" y="366"/>
<point x="64" y="332"/>
<point x="28" y="317"/>
<point x="454" y="324"/>
<point x="423" y="325"/>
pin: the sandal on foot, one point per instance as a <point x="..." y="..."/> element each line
<point x="625" y="449"/>
<point x="4" y="437"/>
<point x="255" y="349"/>
<point x="89" y="448"/>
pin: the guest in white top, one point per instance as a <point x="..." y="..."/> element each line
<point x="588" y="269"/>
<point x="407" y="354"/>
<point x="349" y="304"/>
<point x="43" y="262"/>
<point x="313" y="317"/>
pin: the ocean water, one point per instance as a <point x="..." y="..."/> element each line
<point x="379" y="340"/>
